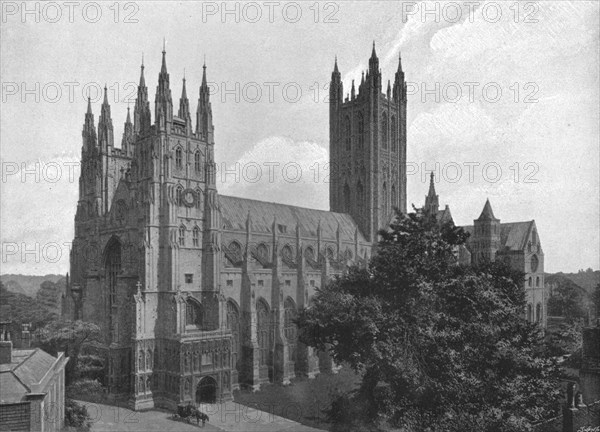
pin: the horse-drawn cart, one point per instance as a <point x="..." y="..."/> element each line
<point x="187" y="412"/>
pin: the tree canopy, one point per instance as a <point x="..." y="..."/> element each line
<point x="440" y="346"/>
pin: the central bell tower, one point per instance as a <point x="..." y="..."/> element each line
<point x="367" y="148"/>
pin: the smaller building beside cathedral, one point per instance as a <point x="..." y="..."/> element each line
<point x="516" y="243"/>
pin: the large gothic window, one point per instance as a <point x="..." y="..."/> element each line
<point x="178" y="158"/>
<point x="233" y="324"/>
<point x="348" y="133"/>
<point x="196" y="237"/>
<point x="360" y="121"/>
<point x="384" y="131"/>
<point x="347" y="198"/>
<point x="182" y="235"/>
<point x="113" y="268"/>
<point x="193" y="313"/>
<point x="198" y="162"/>
<point x="263" y="330"/>
<point x="535" y="262"/>
<point x="385" y="203"/>
<point x="179" y="195"/>
<point x="360" y="199"/>
<point x="289" y="327"/>
<point x="538" y="312"/>
<point x="394" y="126"/>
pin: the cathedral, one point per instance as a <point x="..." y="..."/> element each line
<point x="196" y="292"/>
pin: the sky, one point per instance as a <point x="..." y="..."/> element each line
<point x="503" y="104"/>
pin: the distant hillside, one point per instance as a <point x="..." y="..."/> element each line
<point x="587" y="279"/>
<point x="27" y="285"/>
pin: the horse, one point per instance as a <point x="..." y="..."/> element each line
<point x="200" y="416"/>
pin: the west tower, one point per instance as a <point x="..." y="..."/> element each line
<point x="367" y="148"/>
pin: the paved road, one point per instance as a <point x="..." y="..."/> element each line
<point x="227" y="417"/>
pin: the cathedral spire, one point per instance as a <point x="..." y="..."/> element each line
<point x="184" y="106"/>
<point x="431" y="184"/>
<point x="373" y="53"/>
<point x="105" y="126"/>
<point x="399" y="81"/>
<point x="142" y="79"/>
<point x="141" y="109"/>
<point x="89" y="129"/>
<point x="127" y="139"/>
<point x="163" y="68"/>
<point x="431" y="200"/>
<point x="163" y="105"/>
<point x="204" y="111"/>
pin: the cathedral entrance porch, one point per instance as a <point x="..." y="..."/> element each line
<point x="206" y="392"/>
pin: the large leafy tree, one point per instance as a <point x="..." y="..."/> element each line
<point x="70" y="337"/>
<point x="440" y="346"/>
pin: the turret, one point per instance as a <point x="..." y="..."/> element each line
<point x="127" y="140"/>
<point x="141" y="111"/>
<point x="184" y="105"/>
<point x="399" y="85"/>
<point x="204" y="127"/>
<point x="105" y="126"/>
<point x="163" y="102"/>
<point x="431" y="200"/>
<point x="486" y="238"/>
<point x="336" y="88"/>
<point x="374" y="72"/>
<point x="89" y="130"/>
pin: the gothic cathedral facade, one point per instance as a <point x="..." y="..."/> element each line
<point x="196" y="292"/>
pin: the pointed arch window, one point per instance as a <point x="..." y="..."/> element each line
<point x="360" y="199"/>
<point x="384" y="131"/>
<point x="194" y="314"/>
<point x="182" y="235"/>
<point x="263" y="331"/>
<point x="113" y="268"/>
<point x="289" y="327"/>
<point x="348" y="133"/>
<point x="198" y="162"/>
<point x="179" y="195"/>
<point x="385" y="203"/>
<point x="394" y="197"/>
<point x="233" y="324"/>
<point x="360" y="122"/>
<point x="347" y="198"/>
<point x="196" y="237"/>
<point x="178" y="158"/>
<point x="394" y="127"/>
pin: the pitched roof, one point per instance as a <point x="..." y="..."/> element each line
<point x="513" y="235"/>
<point x="444" y="216"/>
<point x="27" y="369"/>
<point x="234" y="212"/>
<point x="487" y="213"/>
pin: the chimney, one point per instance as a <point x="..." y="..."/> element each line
<point x="26" y="336"/>
<point x="5" y="348"/>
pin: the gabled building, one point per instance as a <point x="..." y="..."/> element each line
<point x="516" y="243"/>
<point x="32" y="388"/>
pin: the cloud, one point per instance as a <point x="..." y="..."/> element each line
<point x="279" y="169"/>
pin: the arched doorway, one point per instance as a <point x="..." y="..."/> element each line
<point x="206" y="392"/>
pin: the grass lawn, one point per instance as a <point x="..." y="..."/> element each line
<point x="304" y="399"/>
